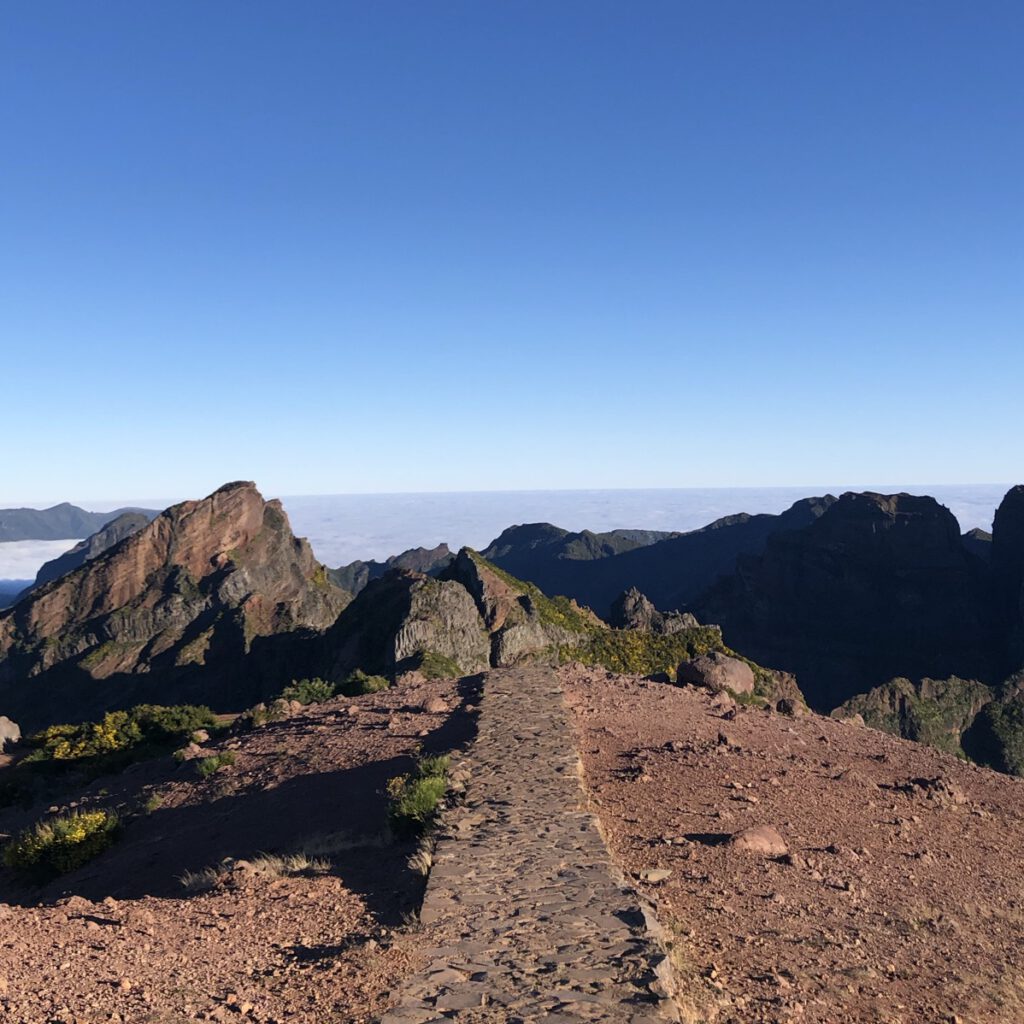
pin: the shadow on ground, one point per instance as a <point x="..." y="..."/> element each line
<point x="309" y="809"/>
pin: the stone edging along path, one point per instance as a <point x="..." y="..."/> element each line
<point x="525" y="918"/>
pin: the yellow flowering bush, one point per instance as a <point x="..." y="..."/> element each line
<point x="55" y="846"/>
<point x="119" y="731"/>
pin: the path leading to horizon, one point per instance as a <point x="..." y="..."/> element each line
<point x="524" y="919"/>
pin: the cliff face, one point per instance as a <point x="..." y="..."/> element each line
<point x="183" y="599"/>
<point x="1008" y="568"/>
<point x="879" y="586"/>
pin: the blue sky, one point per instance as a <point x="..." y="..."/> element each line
<point x="339" y="247"/>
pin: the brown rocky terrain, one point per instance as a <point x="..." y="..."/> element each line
<point x="169" y="612"/>
<point x="895" y="896"/>
<point x="123" y="939"/>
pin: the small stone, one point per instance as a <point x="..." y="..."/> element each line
<point x="656" y="874"/>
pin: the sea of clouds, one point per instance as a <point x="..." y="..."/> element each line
<point x="345" y="527"/>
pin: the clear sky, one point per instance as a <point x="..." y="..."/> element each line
<point x="472" y="244"/>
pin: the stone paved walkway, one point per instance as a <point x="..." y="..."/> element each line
<point x="523" y="918"/>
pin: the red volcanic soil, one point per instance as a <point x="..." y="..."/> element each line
<point x="122" y="939"/>
<point x="899" y="897"/>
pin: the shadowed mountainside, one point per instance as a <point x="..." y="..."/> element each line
<point x="672" y="570"/>
<point x="879" y="586"/>
<point x="355" y="576"/>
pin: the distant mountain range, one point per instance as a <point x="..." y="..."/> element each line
<point x="847" y="593"/>
<point x="61" y="522"/>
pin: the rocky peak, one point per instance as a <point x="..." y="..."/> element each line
<point x="632" y="610"/>
<point x="192" y="588"/>
<point x="1008" y="535"/>
<point x="876" y="587"/>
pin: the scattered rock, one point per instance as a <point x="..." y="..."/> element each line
<point x="762" y="840"/>
<point x="10" y="733"/>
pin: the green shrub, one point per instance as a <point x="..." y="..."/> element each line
<point x="436" y="666"/>
<point x="208" y="766"/>
<point x="359" y="683"/>
<point x="640" y="653"/>
<point x="120" y="737"/>
<point x="415" y="798"/>
<point x="308" y="691"/>
<point x="57" y="845"/>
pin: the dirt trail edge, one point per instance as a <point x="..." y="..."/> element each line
<point x="525" y="917"/>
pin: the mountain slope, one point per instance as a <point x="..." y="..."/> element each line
<point x="85" y="551"/>
<point x="672" y="570"/>
<point x="60" y="522"/>
<point x="171" y="611"/>
<point x="879" y="586"/>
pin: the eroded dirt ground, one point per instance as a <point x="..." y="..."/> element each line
<point x="123" y="940"/>
<point x="900" y="901"/>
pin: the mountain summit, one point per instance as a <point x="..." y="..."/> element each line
<point x="184" y="597"/>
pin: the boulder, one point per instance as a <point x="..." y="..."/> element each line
<point x="9" y="733"/>
<point x="717" y="671"/>
<point x="761" y="840"/>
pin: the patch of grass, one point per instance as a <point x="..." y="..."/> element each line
<point x="153" y="803"/>
<point x="436" y="666"/>
<point x="308" y="691"/>
<point x="415" y="798"/>
<point x="359" y="683"/>
<point x="208" y="766"/>
<point x="639" y="653"/>
<point x="55" y="846"/>
<point x="265" y="865"/>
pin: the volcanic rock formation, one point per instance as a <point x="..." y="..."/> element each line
<point x="879" y="586"/>
<point x="171" y="611"/>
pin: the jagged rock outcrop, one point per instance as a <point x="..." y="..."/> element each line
<point x="429" y="561"/>
<point x="1008" y="569"/>
<point x="10" y="733"/>
<point x="933" y="711"/>
<point x="632" y="610"/>
<point x="996" y="736"/>
<point x="61" y="522"/>
<point x="978" y="542"/>
<point x="85" y="551"/>
<point x="878" y="586"/>
<point x="171" y="611"/>
<point x="521" y="622"/>
<point x="401" y="618"/>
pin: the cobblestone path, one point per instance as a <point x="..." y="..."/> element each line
<point x="523" y="918"/>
